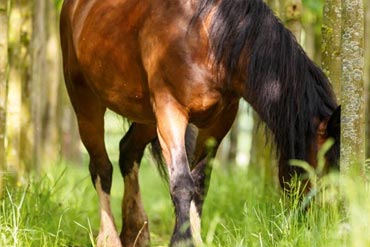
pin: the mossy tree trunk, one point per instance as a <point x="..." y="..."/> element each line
<point x="367" y="76"/>
<point x="3" y="84"/>
<point x="352" y="84"/>
<point x="331" y="41"/>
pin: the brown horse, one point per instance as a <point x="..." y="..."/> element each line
<point x="177" y="70"/>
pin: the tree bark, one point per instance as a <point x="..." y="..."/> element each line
<point x="331" y="38"/>
<point x="367" y="77"/>
<point x="3" y="85"/>
<point x="352" y="84"/>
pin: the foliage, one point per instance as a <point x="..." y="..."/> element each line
<point x="314" y="6"/>
<point x="58" y="4"/>
<point x="312" y="14"/>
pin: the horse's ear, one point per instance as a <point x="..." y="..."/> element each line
<point x="333" y="127"/>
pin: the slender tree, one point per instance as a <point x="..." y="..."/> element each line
<point x="292" y="15"/>
<point x="24" y="68"/>
<point x="331" y="40"/>
<point x="38" y="79"/>
<point x="352" y="84"/>
<point x="51" y="133"/>
<point x="3" y="83"/>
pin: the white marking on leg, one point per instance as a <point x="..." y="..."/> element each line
<point x="195" y="225"/>
<point x="108" y="236"/>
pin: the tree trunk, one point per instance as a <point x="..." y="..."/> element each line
<point x="38" y="79"/>
<point x="292" y="16"/>
<point x="3" y="84"/>
<point x="51" y="81"/>
<point x="367" y="77"/>
<point x="21" y="73"/>
<point x="352" y="83"/>
<point x="331" y="38"/>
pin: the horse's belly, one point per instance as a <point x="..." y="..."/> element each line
<point x="122" y="90"/>
<point x="135" y="105"/>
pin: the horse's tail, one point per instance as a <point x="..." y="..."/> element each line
<point x="156" y="151"/>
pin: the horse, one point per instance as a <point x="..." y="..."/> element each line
<point x="177" y="69"/>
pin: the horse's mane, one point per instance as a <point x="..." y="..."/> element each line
<point x="290" y="93"/>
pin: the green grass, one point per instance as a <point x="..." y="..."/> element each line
<point x="60" y="209"/>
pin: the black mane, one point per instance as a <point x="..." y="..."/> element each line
<point x="290" y="93"/>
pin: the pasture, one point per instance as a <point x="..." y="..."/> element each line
<point x="59" y="208"/>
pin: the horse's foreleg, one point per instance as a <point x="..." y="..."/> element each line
<point x="90" y="117"/>
<point x="172" y="123"/>
<point x="135" y="230"/>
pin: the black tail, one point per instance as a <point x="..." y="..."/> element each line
<point x="156" y="151"/>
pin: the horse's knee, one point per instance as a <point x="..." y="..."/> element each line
<point x="182" y="191"/>
<point x="104" y="171"/>
<point x="132" y="146"/>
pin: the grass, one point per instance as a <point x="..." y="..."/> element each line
<point x="60" y="209"/>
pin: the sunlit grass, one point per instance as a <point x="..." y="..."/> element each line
<point x="60" y="209"/>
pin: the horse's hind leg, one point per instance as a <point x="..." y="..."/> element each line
<point x="90" y="116"/>
<point x="135" y="230"/>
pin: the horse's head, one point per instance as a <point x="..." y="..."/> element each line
<point x="329" y="128"/>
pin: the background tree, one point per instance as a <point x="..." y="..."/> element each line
<point x="19" y="73"/>
<point x="38" y="79"/>
<point x="292" y="15"/>
<point x="331" y="38"/>
<point x="352" y="82"/>
<point x="37" y="115"/>
<point x="3" y="83"/>
<point x="21" y="60"/>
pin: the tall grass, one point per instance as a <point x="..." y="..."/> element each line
<point x="60" y="209"/>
